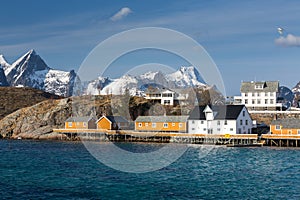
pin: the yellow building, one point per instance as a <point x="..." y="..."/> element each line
<point x="285" y="126"/>
<point x="80" y="123"/>
<point x="112" y="123"/>
<point x="161" y="123"/>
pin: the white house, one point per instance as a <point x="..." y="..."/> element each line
<point x="223" y="119"/>
<point x="259" y="95"/>
<point x="162" y="96"/>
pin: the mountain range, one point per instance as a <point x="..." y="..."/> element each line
<point x="30" y="70"/>
<point x="185" y="77"/>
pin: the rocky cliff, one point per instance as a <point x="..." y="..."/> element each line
<point x="38" y="121"/>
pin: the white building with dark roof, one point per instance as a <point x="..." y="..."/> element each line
<point x="260" y="95"/>
<point x="222" y="119"/>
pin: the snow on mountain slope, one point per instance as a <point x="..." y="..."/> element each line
<point x="94" y="87"/>
<point x="59" y="82"/>
<point x="30" y="70"/>
<point x="3" y="62"/>
<point x="186" y="77"/>
<point x="119" y="86"/>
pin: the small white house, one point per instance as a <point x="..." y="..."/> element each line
<point x="223" y="119"/>
<point x="162" y="96"/>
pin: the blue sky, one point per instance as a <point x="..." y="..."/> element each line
<point x="239" y="35"/>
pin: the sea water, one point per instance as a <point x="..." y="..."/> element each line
<point x="66" y="170"/>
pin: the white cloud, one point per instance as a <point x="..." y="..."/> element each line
<point x="121" y="14"/>
<point x="288" y="41"/>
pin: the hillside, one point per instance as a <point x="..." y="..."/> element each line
<point x="13" y="98"/>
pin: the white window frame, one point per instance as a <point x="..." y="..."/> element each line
<point x="165" y="125"/>
<point x="153" y="125"/>
<point x="140" y="125"/>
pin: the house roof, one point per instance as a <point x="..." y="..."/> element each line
<point x="115" y="119"/>
<point x="79" y="119"/>
<point x="268" y="86"/>
<point x="287" y="123"/>
<point x="228" y="112"/>
<point x="158" y="90"/>
<point x="156" y="119"/>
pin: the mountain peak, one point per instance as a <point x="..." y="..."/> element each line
<point x="31" y="52"/>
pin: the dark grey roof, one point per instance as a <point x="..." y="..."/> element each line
<point x="162" y="119"/>
<point x="116" y="119"/>
<point x="79" y="119"/>
<point x="287" y="123"/>
<point x="268" y="86"/>
<point x="228" y="112"/>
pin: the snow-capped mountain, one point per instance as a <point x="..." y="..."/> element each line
<point x="3" y="62"/>
<point x="185" y="77"/>
<point x="31" y="71"/>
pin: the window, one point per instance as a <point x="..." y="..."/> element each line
<point x="266" y="101"/>
<point x="165" y="125"/>
<point x="180" y="125"/>
<point x="259" y="86"/>
<point x="225" y="122"/>
<point x="246" y="94"/>
<point x="173" y="124"/>
<point x="193" y="122"/>
<point x="277" y="127"/>
<point x="77" y="123"/>
<point x="246" y="101"/>
<point x="204" y="129"/>
<point x="193" y="129"/>
<point x="253" y="101"/>
<point x="146" y="124"/>
<point x="231" y="129"/>
<point x="241" y="122"/>
<point x="244" y="113"/>
<point x="218" y="129"/>
<point x="271" y="101"/>
<point x="266" y="94"/>
<point x="167" y="94"/>
<point x="167" y="102"/>
<point x="246" y="122"/>
<point x="153" y="125"/>
<point x="290" y="131"/>
<point x="258" y="94"/>
<point x="271" y="94"/>
<point x="258" y="101"/>
<point x="84" y="124"/>
<point x="240" y="131"/>
<point x="218" y="122"/>
<point x="140" y="124"/>
<point x="70" y="124"/>
<point x="202" y="122"/>
<point x="298" y="131"/>
<point x="253" y="94"/>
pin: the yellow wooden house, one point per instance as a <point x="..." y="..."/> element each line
<point x="112" y="123"/>
<point x="80" y="123"/>
<point x="161" y="123"/>
<point x="285" y="126"/>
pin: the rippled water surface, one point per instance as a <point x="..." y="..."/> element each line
<point x="66" y="170"/>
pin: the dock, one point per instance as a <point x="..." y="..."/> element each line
<point x="281" y="140"/>
<point x="162" y="137"/>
